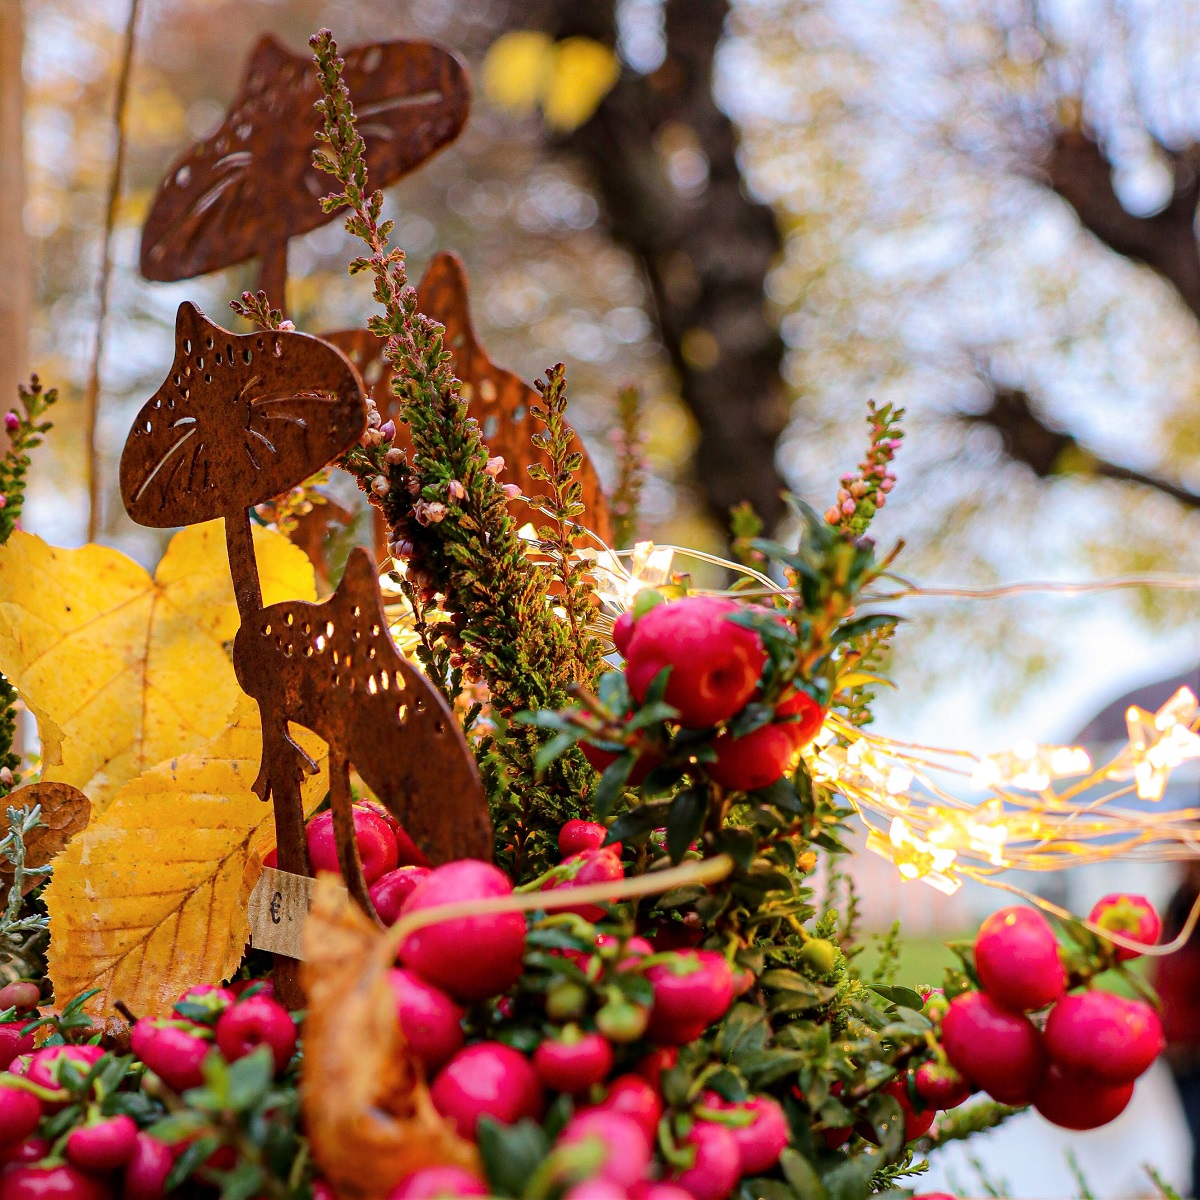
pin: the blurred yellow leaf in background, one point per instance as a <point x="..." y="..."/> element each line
<point x="151" y="898"/>
<point x="123" y="670"/>
<point x="568" y="79"/>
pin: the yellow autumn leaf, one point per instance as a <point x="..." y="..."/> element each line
<point x="582" y="72"/>
<point x="123" y="670"/>
<point x="514" y="70"/>
<point x="151" y="897"/>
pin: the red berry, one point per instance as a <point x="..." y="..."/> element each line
<point x="263" y="986"/>
<point x="376" y="843"/>
<point x="1106" y="1036"/>
<point x="31" y="1150"/>
<point x="172" y="1053"/>
<point x="487" y="1079"/>
<point x="715" y="663"/>
<point x="996" y="1049"/>
<point x="1079" y="1101"/>
<point x="577" y="836"/>
<point x="20" y="1112"/>
<point x="649" y="1190"/>
<point x="45" y="1065"/>
<point x="625" y="1150"/>
<point x="208" y="996"/>
<point x="762" y="1141"/>
<point x="916" y="1123"/>
<point x="430" y="1182"/>
<point x="321" y="1190"/>
<point x="389" y="892"/>
<point x="801" y="716"/>
<point x="147" y="1170"/>
<point x="655" y="1063"/>
<point x="408" y="853"/>
<point x="1132" y="916"/>
<point x="63" y="1182"/>
<point x="596" y="1189"/>
<point x="691" y="991"/>
<point x="573" y="1066"/>
<point x="940" y="1086"/>
<point x="714" y="1173"/>
<point x="622" y="632"/>
<point x="589" y="866"/>
<point x="601" y="759"/>
<point x="471" y="957"/>
<point x="1016" y="955"/>
<point x="258" y="1021"/>
<point x="754" y="761"/>
<point x="271" y="858"/>
<point x="12" y="1043"/>
<point x="430" y="1020"/>
<point x="633" y="1097"/>
<point x="935" y="1196"/>
<point x="21" y="994"/>
<point x="104" y="1146"/>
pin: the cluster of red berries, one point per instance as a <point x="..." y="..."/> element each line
<point x="92" y="1159"/>
<point x="1078" y="1064"/>
<point x="716" y="667"/>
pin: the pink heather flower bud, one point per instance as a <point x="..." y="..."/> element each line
<point x="6" y="777"/>
<point x="394" y="455"/>
<point x="374" y="420"/>
<point x="404" y="548"/>
<point x="849" y="507"/>
<point x="494" y="466"/>
<point x="380" y="485"/>
<point x="880" y="501"/>
<point x="287" y="326"/>
<point x="456" y="490"/>
<point x="3" y="501"/>
<point x="843" y="495"/>
<point x="511" y="491"/>
<point x="893" y="444"/>
<point x="430" y="512"/>
<point x="370" y="438"/>
<point x="12" y="423"/>
<point x="858" y="489"/>
<point x="888" y="483"/>
<point x="833" y="515"/>
<point x="388" y="429"/>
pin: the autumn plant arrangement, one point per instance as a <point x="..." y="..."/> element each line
<point x="641" y="997"/>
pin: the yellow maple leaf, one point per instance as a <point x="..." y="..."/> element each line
<point x="120" y="669"/>
<point x="151" y="898"/>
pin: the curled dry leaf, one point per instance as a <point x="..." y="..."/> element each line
<point x="65" y="812"/>
<point x="369" y="1115"/>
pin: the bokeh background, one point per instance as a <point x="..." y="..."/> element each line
<point x="983" y="211"/>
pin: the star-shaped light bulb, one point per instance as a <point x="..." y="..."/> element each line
<point x="1158" y="743"/>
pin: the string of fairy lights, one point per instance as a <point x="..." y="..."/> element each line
<point x="942" y="815"/>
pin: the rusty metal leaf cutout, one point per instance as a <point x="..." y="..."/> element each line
<point x="251" y="185"/>
<point x="239" y="419"/>
<point x="333" y="668"/>
<point x="65" y="812"/>
<point x="499" y="400"/>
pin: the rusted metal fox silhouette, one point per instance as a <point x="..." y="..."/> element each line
<point x="333" y="668"/>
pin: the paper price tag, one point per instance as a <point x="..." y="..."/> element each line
<point x="277" y="910"/>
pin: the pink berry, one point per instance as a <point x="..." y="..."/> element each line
<point x="622" y="632"/>
<point x="63" y="1182"/>
<point x="12" y="422"/>
<point x="573" y="1066"/>
<point x="762" y="1141"/>
<point x="755" y="761"/>
<point x="940" y="1086"/>
<point x="916" y="1121"/>
<point x="601" y="759"/>
<point x="30" y="1150"/>
<point x="691" y="991"/>
<point x="104" y="1146"/>
<point x="21" y="994"/>
<point x="45" y="1065"/>
<point x="714" y="1173"/>
<point x="577" y="836"/>
<point x="1079" y="1101"/>
<point x="1108" y="1037"/>
<point x="431" y="1182"/>
<point x="715" y="663"/>
<point x="596" y="1189"/>
<point x="1016" y="955"/>
<point x="20" y="1112"/>
<point x="147" y="1170"/>
<point x="471" y="957"/>
<point x="257" y="1021"/>
<point x="801" y="716"/>
<point x="487" y="1079"/>
<point x="172" y="1053"/>
<point x="208" y="996"/>
<point x="655" y="1063"/>
<point x="376" y="843"/>
<point x="12" y="1043"/>
<point x="1132" y="916"/>
<point x="649" y="1190"/>
<point x="588" y="867"/>
<point x="430" y="1020"/>
<point x="408" y="853"/>
<point x="389" y="892"/>
<point x="626" y="1153"/>
<point x="993" y="1047"/>
<point x="633" y="1097"/>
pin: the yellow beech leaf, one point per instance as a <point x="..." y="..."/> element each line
<point x="582" y="72"/>
<point x="515" y="68"/>
<point x="120" y="669"/>
<point x="151" y="897"/>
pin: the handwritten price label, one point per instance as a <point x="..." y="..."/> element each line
<point x="278" y="909"/>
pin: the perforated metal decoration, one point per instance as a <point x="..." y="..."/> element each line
<point x="497" y="398"/>
<point x="239" y="420"/>
<point x="249" y="187"/>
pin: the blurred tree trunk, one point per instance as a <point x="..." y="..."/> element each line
<point x="14" y="245"/>
<point x="706" y="246"/>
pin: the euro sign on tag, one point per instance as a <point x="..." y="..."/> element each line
<point x="277" y="910"/>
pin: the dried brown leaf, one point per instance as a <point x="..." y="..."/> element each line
<point x="65" y="812"/>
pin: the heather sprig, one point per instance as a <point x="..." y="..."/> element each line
<point x="26" y="429"/>
<point x="864" y="492"/>
<point x="629" y="442"/>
